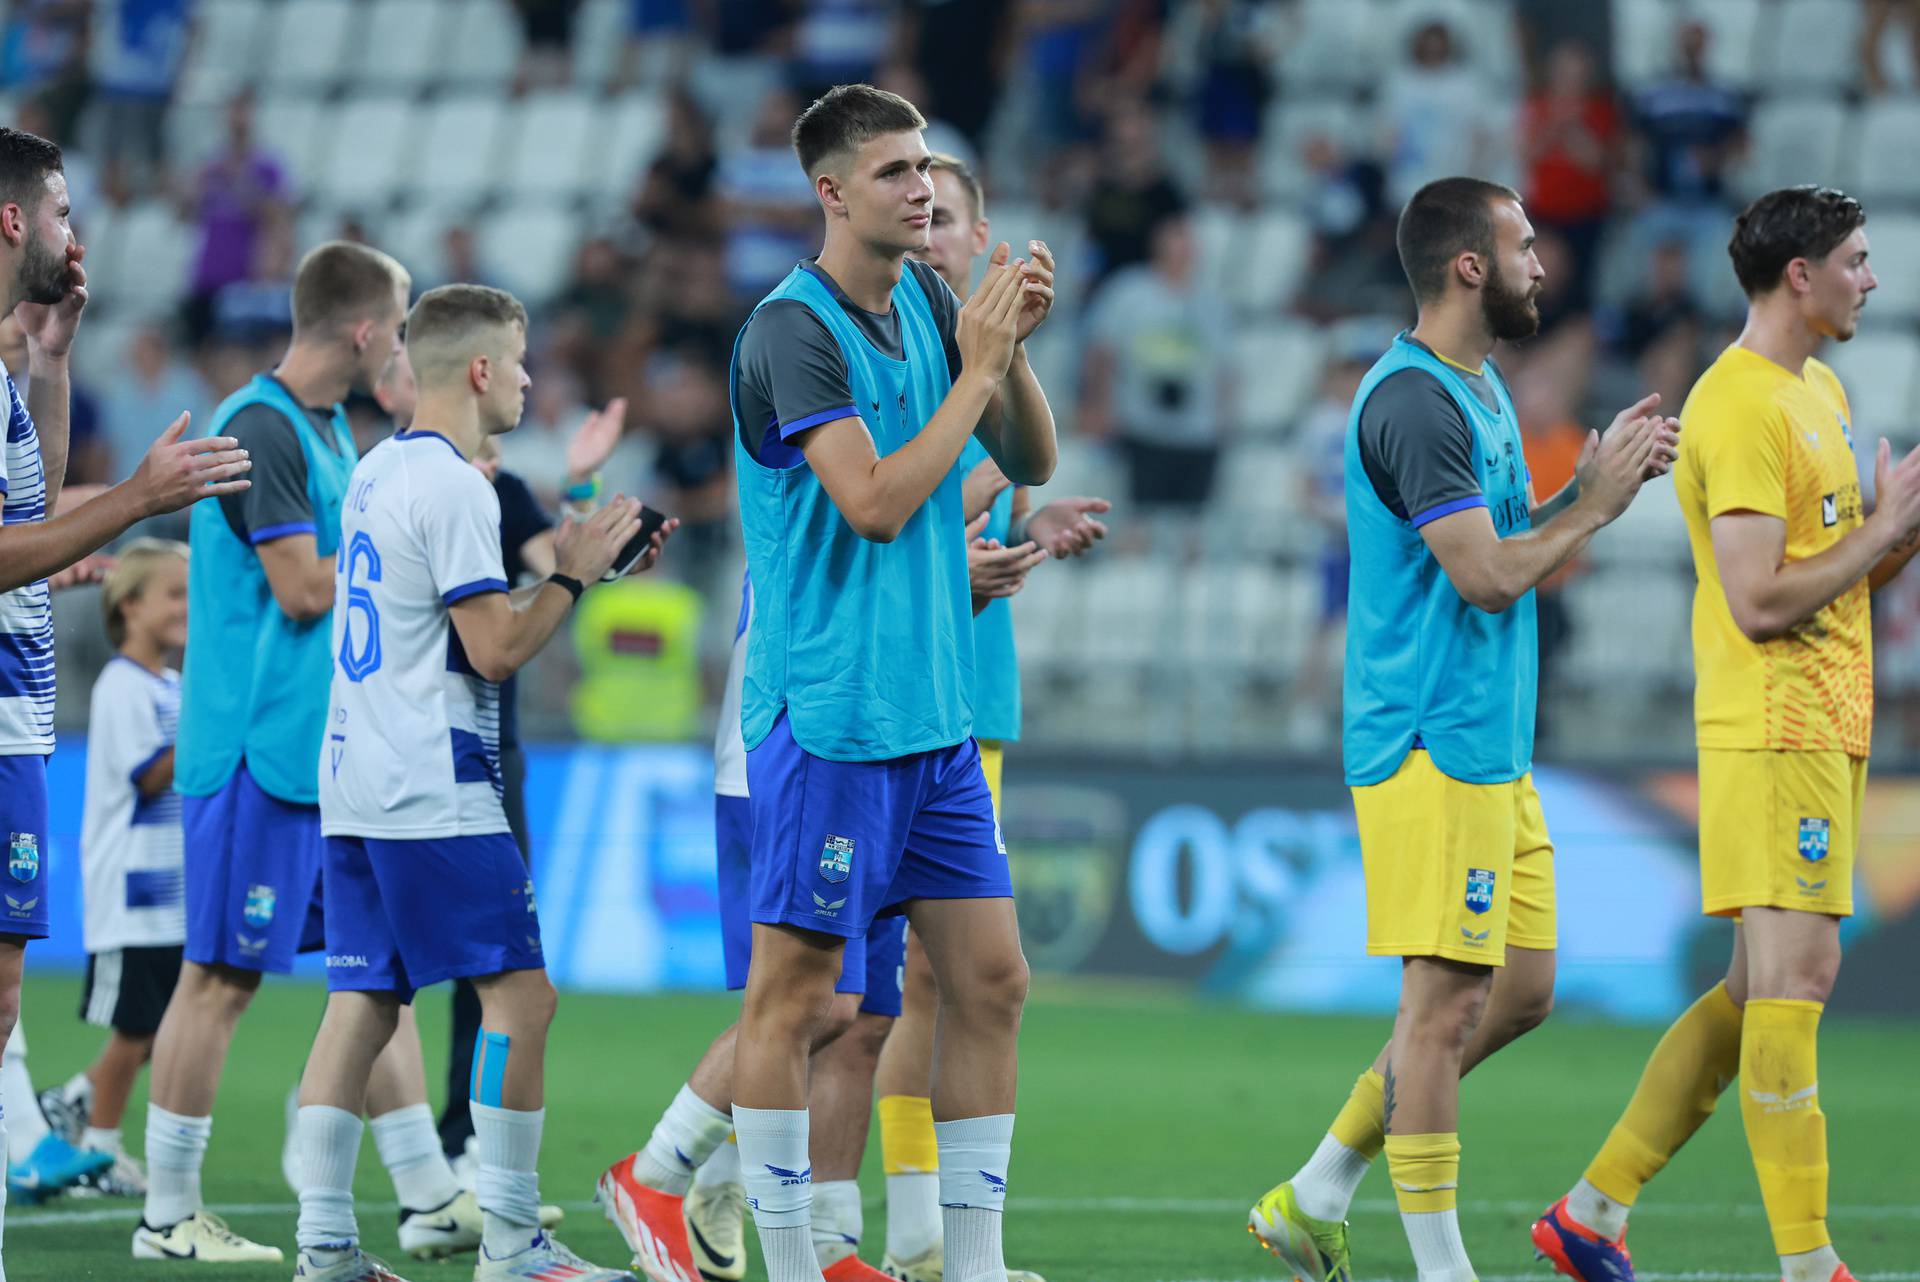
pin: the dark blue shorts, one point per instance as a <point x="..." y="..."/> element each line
<point x="871" y="968"/>
<point x="405" y="914"/>
<point x="837" y="843"/>
<point x="253" y="877"/>
<point x="23" y="817"/>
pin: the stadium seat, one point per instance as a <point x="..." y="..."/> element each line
<point x="406" y="42"/>
<point x="458" y="161"/>
<point x="1895" y="238"/>
<point x="1334" y="44"/>
<point x="1255" y="509"/>
<point x="315" y="42"/>
<point x="1889" y="128"/>
<point x="530" y="245"/>
<point x="155" y="254"/>
<point x="1881" y="371"/>
<point x="413" y="236"/>
<point x="638" y="123"/>
<point x="1484" y="30"/>
<point x="556" y="146"/>
<point x="1815" y="45"/>
<point x="485" y="45"/>
<point x="1293" y="122"/>
<point x="229" y="41"/>
<point x="1276" y="368"/>
<point x="1254" y="261"/>
<point x="371" y="140"/>
<point x="290" y="129"/>
<point x="1644" y="48"/>
<point x="1651" y="531"/>
<point x="600" y="36"/>
<point x="1796" y="139"/>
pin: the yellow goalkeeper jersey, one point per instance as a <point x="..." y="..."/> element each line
<point x="1756" y="438"/>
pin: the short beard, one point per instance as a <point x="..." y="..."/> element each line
<point x="43" y="274"/>
<point x="1510" y="315"/>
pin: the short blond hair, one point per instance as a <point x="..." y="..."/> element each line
<point x="445" y="329"/>
<point x="128" y="579"/>
<point x="342" y="282"/>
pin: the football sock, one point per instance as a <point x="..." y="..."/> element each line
<point x="25" y="1127"/>
<point x="1678" y="1089"/>
<point x="1426" y="1183"/>
<point x="778" y="1175"/>
<point x="974" y="1155"/>
<point x="329" y="1145"/>
<point x="1787" y="1132"/>
<point x="409" y="1145"/>
<point x="176" y="1146"/>
<point x="909" y="1154"/>
<point x="907" y="1140"/>
<point x="722" y="1168"/>
<point x="1325" y="1186"/>
<point x="508" y="1187"/>
<point x="687" y="1134"/>
<point x="102" y="1140"/>
<point x="837" y="1222"/>
<point x="1810" y="1266"/>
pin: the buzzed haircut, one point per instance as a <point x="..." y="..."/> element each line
<point x="847" y="116"/>
<point x="1793" y="222"/>
<point x="944" y="163"/>
<point x="1445" y="219"/>
<point x="25" y="161"/>
<point x="342" y="281"/>
<point x="447" y="328"/>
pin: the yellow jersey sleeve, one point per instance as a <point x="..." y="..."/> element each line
<point x="1741" y="443"/>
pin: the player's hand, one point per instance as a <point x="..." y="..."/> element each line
<point x="1666" y="447"/>
<point x="50" y="326"/>
<point x="176" y="473"/>
<point x="985" y="483"/>
<point x="1612" y="467"/>
<point x="1036" y="289"/>
<point x="996" y="571"/>
<point x="585" y="550"/>
<point x="655" y="546"/>
<point x="1067" y="527"/>
<point x="88" y="569"/>
<point x="1896" y="491"/>
<point x="592" y="443"/>
<point x="986" y="328"/>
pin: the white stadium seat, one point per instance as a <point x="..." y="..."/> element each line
<point x="1816" y="45"/>
<point x="1881" y="371"/>
<point x="485" y="44"/>
<point x="458" y="161"/>
<point x="315" y="43"/>
<point x="406" y="42"/>
<point x="372" y="140"/>
<point x="1253" y="261"/>
<point x="599" y="39"/>
<point x="1276" y="369"/>
<point x="556" y="146"/>
<point x="1335" y="44"/>
<point x="636" y="130"/>
<point x="1889" y="134"/>
<point x="530" y="245"/>
<point x="230" y="38"/>
<point x="1291" y="123"/>
<point x="1799" y="139"/>
<point x="155" y="255"/>
<point x="290" y="129"/>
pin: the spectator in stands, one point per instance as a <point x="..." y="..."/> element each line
<point x="942" y="136"/>
<point x="767" y="205"/>
<point x="1691" y="133"/>
<point x="837" y="42"/>
<point x="536" y="451"/>
<point x="1661" y="327"/>
<point x="549" y="31"/>
<point x="1058" y="40"/>
<point x="153" y="385"/>
<point x="1133" y="194"/>
<point x="460" y="257"/>
<point x="959" y="47"/>
<point x="683" y="292"/>
<point x="256" y="308"/>
<point x="1440" y="117"/>
<point x="1881" y="16"/>
<point x="691" y="423"/>
<point x="1220" y="49"/>
<point x="136" y="57"/>
<point x="1155" y="379"/>
<point x="1570" y="140"/>
<point x="676" y="196"/>
<point x="43" y="54"/>
<point x="238" y="194"/>
<point x="1356" y="267"/>
<point x="596" y="295"/>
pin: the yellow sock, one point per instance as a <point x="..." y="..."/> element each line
<point x="1362" y="1123"/>
<point x="1425" y="1171"/>
<point x="1780" y="1102"/>
<point x="907" y="1145"/>
<point x="1678" y="1088"/>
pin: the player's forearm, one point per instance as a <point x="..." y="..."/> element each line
<point x="1520" y="562"/>
<point x="158" y="777"/>
<point x="1559" y="503"/>
<point x="896" y="486"/>
<point x="1893" y="561"/>
<point x="34" y="550"/>
<point x="538" y="612"/>
<point x="49" y="400"/>
<point x="1798" y="590"/>
<point x="1026" y="448"/>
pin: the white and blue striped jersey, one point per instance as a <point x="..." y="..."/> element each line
<point x="26" y="613"/>
<point x="132" y="858"/>
<point x="412" y="748"/>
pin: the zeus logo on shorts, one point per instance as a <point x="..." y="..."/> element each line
<point x="1813" y="839"/>
<point x="23" y="856"/>
<point x="1479" y="890"/>
<point x="836" y="859"/>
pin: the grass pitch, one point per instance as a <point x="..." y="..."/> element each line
<point x="1148" y="1124"/>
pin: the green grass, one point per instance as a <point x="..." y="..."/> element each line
<point x="1148" y="1122"/>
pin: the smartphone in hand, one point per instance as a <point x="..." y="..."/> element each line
<point x="650" y="523"/>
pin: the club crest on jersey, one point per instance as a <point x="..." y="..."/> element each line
<point x="23" y="856"/>
<point x="836" y="859"/>
<point x="258" y="911"/>
<point x="1479" y="889"/>
<point x="1813" y="839"/>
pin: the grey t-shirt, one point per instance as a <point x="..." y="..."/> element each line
<point x="1169" y="348"/>
<point x="276" y="504"/>
<point x="793" y="376"/>
<point x="1416" y="445"/>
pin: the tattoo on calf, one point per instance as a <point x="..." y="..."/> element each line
<point x="1386" y="1124"/>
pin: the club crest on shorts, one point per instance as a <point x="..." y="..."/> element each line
<point x="1813" y="839"/>
<point x="836" y="859"/>
<point x="1479" y="889"/>
<point x="23" y="856"/>
<point x="258" y="911"/>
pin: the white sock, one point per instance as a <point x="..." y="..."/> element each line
<point x="974" y="1154"/>
<point x="509" y="1185"/>
<point x="409" y="1145"/>
<point x="329" y="1148"/>
<point x="78" y="1090"/>
<point x="176" y="1146"/>
<point x="722" y="1168"/>
<point x="837" y="1222"/>
<point x="102" y="1140"/>
<point x="1810" y="1266"/>
<point x="26" y="1125"/>
<point x="913" y="1213"/>
<point x="1325" y="1186"/>
<point x="688" y="1133"/>
<point x="1592" y="1209"/>
<point x="1438" y="1251"/>
<point x="778" y="1176"/>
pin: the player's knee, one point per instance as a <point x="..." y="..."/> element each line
<point x="842" y="1011"/>
<point x="996" y="991"/>
<point x="9" y="1014"/>
<point x="868" y="1035"/>
<point x="1529" y="1010"/>
<point x="218" y="992"/>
